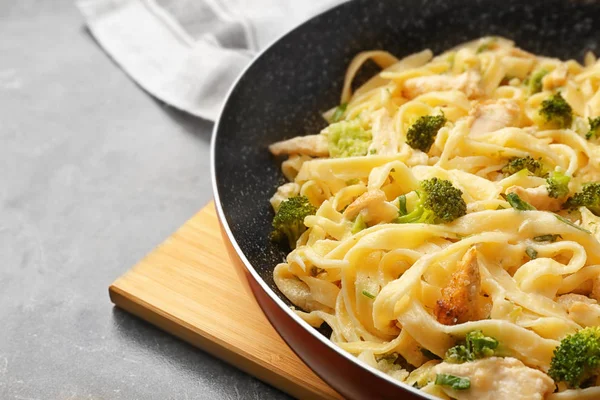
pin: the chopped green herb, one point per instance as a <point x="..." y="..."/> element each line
<point x="455" y="382"/>
<point x="566" y="221"/>
<point x="402" y="205"/>
<point x="547" y="238"/>
<point x="359" y="224"/>
<point x="373" y="151"/>
<point x="517" y="203"/>
<point x="429" y="354"/>
<point x="339" y="112"/>
<point x="531" y="252"/>
<point x="368" y="294"/>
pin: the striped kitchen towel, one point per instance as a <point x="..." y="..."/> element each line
<point x="187" y="53"/>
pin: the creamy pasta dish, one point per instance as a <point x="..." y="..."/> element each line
<point x="446" y="223"/>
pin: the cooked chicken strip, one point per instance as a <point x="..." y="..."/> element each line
<point x="537" y="197"/>
<point x="497" y="378"/>
<point x="461" y="299"/>
<point x="385" y="139"/>
<point x="581" y="309"/>
<point x="297" y="291"/>
<point x="493" y="115"/>
<point x="467" y="82"/>
<point x="283" y="193"/>
<point x="310" y="145"/>
<point x="377" y="209"/>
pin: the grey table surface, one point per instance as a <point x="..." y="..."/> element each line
<point x="93" y="174"/>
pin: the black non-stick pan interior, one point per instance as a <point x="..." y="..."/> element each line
<point x="285" y="90"/>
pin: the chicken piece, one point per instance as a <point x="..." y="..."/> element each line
<point x="468" y="82"/>
<point x="568" y="300"/>
<point x="556" y="78"/>
<point x="284" y="192"/>
<point x="461" y="299"/>
<point x="492" y="115"/>
<point x="497" y="378"/>
<point x="297" y="291"/>
<point x="581" y="309"/>
<point x="385" y="139"/>
<point x="310" y="145"/>
<point x="537" y="197"/>
<point x="376" y="208"/>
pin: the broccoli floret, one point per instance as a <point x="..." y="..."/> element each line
<point x="476" y="346"/>
<point x="348" y="139"/>
<point x="289" y="219"/>
<point x="558" y="184"/>
<point x="594" y="128"/>
<point x="577" y="358"/>
<point x="439" y="202"/>
<point x="557" y="112"/>
<point x="588" y="197"/>
<point x="515" y="165"/>
<point x="535" y="81"/>
<point x="422" y="133"/>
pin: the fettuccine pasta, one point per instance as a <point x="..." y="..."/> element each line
<point x="516" y="261"/>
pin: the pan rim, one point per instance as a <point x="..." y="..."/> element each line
<point x="247" y="264"/>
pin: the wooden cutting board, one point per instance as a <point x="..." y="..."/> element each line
<point x="188" y="287"/>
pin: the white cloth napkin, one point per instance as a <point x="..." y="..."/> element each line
<point x="187" y="53"/>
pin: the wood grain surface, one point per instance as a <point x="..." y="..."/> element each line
<point x="188" y="287"/>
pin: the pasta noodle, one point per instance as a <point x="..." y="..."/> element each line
<point x="525" y="277"/>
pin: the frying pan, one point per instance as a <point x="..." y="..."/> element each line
<point x="282" y="94"/>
